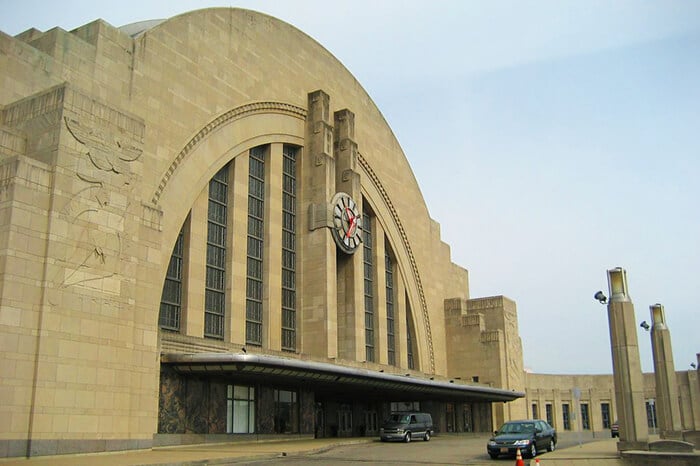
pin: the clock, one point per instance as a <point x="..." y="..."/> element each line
<point x="347" y="223"/>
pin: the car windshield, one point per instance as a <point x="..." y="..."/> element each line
<point x="517" y="428"/>
<point x="404" y="418"/>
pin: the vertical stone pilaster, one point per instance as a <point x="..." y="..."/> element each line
<point x="594" y="411"/>
<point x="400" y="319"/>
<point x="380" y="337"/>
<point x="195" y="268"/>
<point x="541" y="401"/>
<point x="351" y="307"/>
<point x="347" y="178"/>
<point x="667" y="407"/>
<point x="557" y="415"/>
<point x="319" y="314"/>
<point x="272" y="293"/>
<point x="239" y="249"/>
<point x="351" y="328"/>
<point x="627" y="370"/>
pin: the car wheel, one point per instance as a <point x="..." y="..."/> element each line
<point x="533" y="450"/>
<point x="426" y="437"/>
<point x="407" y="437"/>
<point x="493" y="456"/>
<point x="552" y="445"/>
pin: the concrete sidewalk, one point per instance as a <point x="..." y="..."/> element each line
<point x="598" y="453"/>
<point x="192" y="454"/>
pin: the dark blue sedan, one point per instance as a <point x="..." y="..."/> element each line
<point x="530" y="437"/>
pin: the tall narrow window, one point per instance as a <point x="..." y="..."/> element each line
<point x="409" y="336"/>
<point x="565" y="416"/>
<point x="369" y="286"/>
<point x="585" y="418"/>
<point x="605" y="414"/>
<point x="214" y="297"/>
<point x="171" y="298"/>
<point x="240" y="409"/>
<point x="651" y="415"/>
<point x="391" y="344"/>
<point x="548" y="410"/>
<point x="289" y="201"/>
<point x="256" y="231"/>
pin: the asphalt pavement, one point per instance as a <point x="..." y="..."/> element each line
<point x="598" y="452"/>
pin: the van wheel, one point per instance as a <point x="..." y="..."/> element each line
<point x="426" y="437"/>
<point x="407" y="437"/>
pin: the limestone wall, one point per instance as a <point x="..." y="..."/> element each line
<point x="107" y="143"/>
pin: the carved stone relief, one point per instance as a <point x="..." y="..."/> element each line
<point x="95" y="212"/>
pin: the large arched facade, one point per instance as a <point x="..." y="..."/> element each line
<point x="212" y="231"/>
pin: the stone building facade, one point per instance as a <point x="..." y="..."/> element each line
<point x="586" y="403"/>
<point x="208" y="232"/>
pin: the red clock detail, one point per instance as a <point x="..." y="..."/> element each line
<point x="347" y="223"/>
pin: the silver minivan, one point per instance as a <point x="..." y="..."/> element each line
<point x="407" y="426"/>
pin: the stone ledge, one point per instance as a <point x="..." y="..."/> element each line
<point x="650" y="458"/>
<point x="671" y="446"/>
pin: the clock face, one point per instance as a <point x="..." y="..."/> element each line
<point x="347" y="223"/>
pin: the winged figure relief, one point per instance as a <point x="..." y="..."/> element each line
<point x="95" y="210"/>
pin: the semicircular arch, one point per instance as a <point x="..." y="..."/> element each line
<point x="214" y="145"/>
<point x="218" y="142"/>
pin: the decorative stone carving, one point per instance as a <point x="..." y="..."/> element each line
<point x="231" y="115"/>
<point x="96" y="209"/>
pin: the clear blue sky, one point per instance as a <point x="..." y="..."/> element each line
<point x="552" y="140"/>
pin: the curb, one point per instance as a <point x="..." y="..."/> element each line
<point x="261" y="456"/>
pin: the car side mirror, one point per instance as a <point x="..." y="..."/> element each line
<point x="538" y="431"/>
<point x="495" y="432"/>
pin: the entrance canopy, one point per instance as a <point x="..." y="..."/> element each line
<point x="332" y="378"/>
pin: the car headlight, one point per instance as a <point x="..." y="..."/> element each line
<point x="492" y="443"/>
<point x="522" y="442"/>
<point x="399" y="431"/>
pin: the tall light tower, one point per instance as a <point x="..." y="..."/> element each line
<point x="667" y="409"/>
<point x="627" y="369"/>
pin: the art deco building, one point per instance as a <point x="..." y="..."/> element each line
<point x="208" y="231"/>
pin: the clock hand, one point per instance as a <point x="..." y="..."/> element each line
<point x="353" y="227"/>
<point x="352" y="218"/>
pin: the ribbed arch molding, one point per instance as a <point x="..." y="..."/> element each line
<point x="374" y="178"/>
<point x="223" y="119"/>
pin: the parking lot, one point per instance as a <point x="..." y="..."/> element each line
<point x="446" y="449"/>
<point x="442" y="449"/>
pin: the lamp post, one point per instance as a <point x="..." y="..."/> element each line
<point x="667" y="409"/>
<point x="627" y="369"/>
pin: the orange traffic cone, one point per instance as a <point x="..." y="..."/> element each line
<point x="537" y="461"/>
<point x="519" y="458"/>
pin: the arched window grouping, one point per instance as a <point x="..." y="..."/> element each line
<point x="216" y="240"/>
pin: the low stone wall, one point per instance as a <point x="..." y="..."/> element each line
<point x="170" y="440"/>
<point x="692" y="436"/>
<point x="655" y="458"/>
